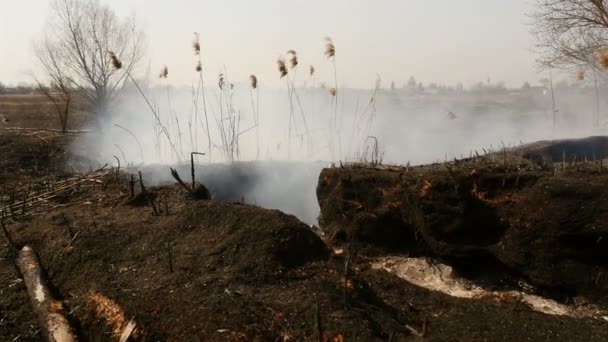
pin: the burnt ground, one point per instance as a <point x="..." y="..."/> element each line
<point x="214" y="271"/>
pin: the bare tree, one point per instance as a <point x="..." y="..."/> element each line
<point x="59" y="91"/>
<point x="74" y="52"/>
<point x="570" y="33"/>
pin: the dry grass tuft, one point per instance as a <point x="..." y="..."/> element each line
<point x="254" y="81"/>
<point x="282" y="67"/>
<point x="601" y="56"/>
<point x="116" y="63"/>
<point x="580" y="75"/>
<point x="330" y="48"/>
<point x="196" y="45"/>
<point x="108" y="310"/>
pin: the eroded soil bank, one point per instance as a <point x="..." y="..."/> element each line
<point x="516" y="214"/>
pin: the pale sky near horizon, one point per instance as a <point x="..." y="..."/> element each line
<point x="441" y="41"/>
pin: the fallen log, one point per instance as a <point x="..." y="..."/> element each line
<point x="54" y="324"/>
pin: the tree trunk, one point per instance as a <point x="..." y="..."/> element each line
<point x="54" y="324"/>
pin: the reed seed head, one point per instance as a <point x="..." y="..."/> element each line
<point x="293" y="58"/>
<point x="221" y="82"/>
<point x="312" y="70"/>
<point x="333" y="91"/>
<point x="116" y="63"/>
<point x="196" y="45"/>
<point x="281" y="66"/>
<point x="330" y="48"/>
<point x="254" y="81"/>
<point x="601" y="56"/>
<point x="199" y="67"/>
<point x="164" y="72"/>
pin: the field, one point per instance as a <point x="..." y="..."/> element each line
<point x="513" y="225"/>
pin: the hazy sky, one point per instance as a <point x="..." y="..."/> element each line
<point x="442" y="41"/>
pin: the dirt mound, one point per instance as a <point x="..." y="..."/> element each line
<point x="480" y="215"/>
<point x="212" y="270"/>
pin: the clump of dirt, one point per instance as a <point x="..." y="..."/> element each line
<point x="499" y="212"/>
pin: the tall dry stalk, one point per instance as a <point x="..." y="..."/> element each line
<point x="554" y="110"/>
<point x="283" y="72"/>
<point x="116" y="63"/>
<point x="255" y="107"/>
<point x="330" y="54"/>
<point x="293" y="64"/>
<point x="229" y="122"/>
<point x="201" y="89"/>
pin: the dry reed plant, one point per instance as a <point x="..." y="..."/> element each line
<point x="282" y="67"/>
<point x="200" y="90"/>
<point x="196" y="45"/>
<point x="580" y="75"/>
<point x="255" y="107"/>
<point x="293" y="64"/>
<point x="164" y="72"/>
<point x="230" y="120"/>
<point x="330" y="48"/>
<point x="221" y="82"/>
<point x="293" y="59"/>
<point x="330" y="54"/>
<point x="311" y="72"/>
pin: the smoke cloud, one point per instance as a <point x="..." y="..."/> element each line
<point x="270" y="169"/>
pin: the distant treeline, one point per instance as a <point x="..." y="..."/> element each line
<point x="20" y="89"/>
<point x="410" y="88"/>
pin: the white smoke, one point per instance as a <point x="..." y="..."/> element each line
<point x="414" y="128"/>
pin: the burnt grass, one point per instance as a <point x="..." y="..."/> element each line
<point x="216" y="271"/>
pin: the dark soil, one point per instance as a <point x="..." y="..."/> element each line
<point x="238" y="273"/>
